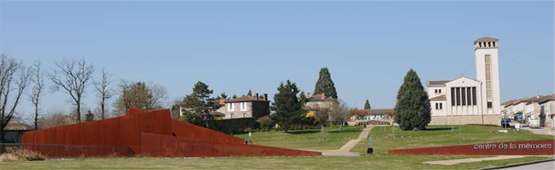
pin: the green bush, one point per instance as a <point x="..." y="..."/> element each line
<point x="265" y="123"/>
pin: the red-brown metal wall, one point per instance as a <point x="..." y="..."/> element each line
<point x="146" y="133"/>
<point x="500" y="148"/>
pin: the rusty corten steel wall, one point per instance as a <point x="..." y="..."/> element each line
<point x="170" y="146"/>
<point x="144" y="133"/>
<point x="479" y="149"/>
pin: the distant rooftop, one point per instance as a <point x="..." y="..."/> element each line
<point x="438" y="83"/>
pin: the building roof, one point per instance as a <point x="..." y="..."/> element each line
<point x="528" y="100"/>
<point x="437" y="83"/>
<point x="18" y="126"/>
<point x="218" y="114"/>
<point x="365" y="112"/>
<point x="247" y="98"/>
<point x="486" y="39"/>
<point x="320" y="98"/>
<point x="439" y="98"/>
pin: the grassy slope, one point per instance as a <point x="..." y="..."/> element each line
<point x="306" y="139"/>
<point x="383" y="141"/>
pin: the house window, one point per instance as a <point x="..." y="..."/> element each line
<point x="437" y="106"/>
<point x="243" y="106"/>
<point x="440" y="106"/>
<point x="490" y="105"/>
<point x="244" y="114"/>
<point x="230" y="107"/>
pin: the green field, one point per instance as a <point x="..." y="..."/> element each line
<point x="365" y="162"/>
<point x="306" y="139"/>
<point x="383" y="141"/>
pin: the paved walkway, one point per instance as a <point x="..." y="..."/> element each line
<point x="542" y="131"/>
<point x="550" y="165"/>
<point x="468" y="160"/>
<point x="345" y="150"/>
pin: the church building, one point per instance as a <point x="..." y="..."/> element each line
<point x="466" y="100"/>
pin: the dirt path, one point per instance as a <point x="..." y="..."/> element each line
<point x="345" y="150"/>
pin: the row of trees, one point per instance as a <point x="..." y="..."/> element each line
<point x="73" y="78"/>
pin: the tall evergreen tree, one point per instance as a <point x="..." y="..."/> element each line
<point x="325" y="84"/>
<point x="287" y="106"/>
<point x="367" y="105"/>
<point x="249" y="93"/>
<point x="303" y="99"/>
<point x="199" y="106"/>
<point x="412" y="109"/>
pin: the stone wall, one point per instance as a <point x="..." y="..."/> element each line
<point x="466" y="119"/>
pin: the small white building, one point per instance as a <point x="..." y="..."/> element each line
<point x="470" y="101"/>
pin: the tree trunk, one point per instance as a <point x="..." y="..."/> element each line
<point x="340" y="126"/>
<point x="103" y="112"/>
<point x="1" y="130"/>
<point x="78" y="112"/>
<point x="36" y="117"/>
<point x="322" y="128"/>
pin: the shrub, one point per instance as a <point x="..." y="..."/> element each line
<point x="265" y="123"/>
<point x="22" y="155"/>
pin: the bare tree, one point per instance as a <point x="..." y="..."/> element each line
<point x="38" y="84"/>
<point x="340" y="114"/>
<point x="103" y="91"/>
<point x="159" y="96"/>
<point x="73" y="76"/>
<point x="55" y="117"/>
<point x="321" y="114"/>
<point x="14" y="79"/>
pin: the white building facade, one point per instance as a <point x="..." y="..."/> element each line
<point x="470" y="101"/>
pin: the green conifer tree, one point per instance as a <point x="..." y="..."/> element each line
<point x="287" y="107"/>
<point x="367" y="105"/>
<point x="412" y="109"/>
<point x="325" y="84"/>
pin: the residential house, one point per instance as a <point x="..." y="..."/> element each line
<point x="320" y="100"/>
<point x="373" y="114"/>
<point x="244" y="107"/>
<point x="547" y="108"/>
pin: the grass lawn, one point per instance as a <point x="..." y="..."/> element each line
<point x="306" y="139"/>
<point x="383" y="141"/>
<point x="364" y="162"/>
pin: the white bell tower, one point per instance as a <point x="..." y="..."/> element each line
<point x="487" y="72"/>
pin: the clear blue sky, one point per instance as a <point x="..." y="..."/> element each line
<point x="237" y="46"/>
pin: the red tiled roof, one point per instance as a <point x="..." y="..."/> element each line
<point x="365" y="112"/>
